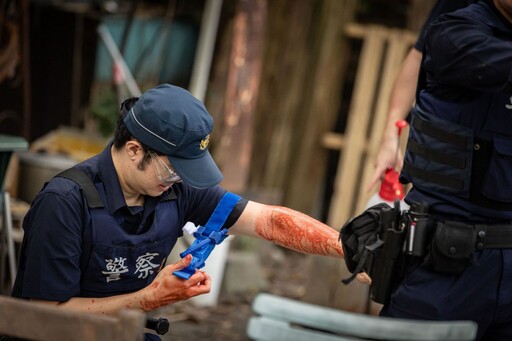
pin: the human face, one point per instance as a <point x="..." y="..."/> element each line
<point x="165" y="173"/>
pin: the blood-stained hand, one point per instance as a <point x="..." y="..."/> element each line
<point x="166" y="288"/>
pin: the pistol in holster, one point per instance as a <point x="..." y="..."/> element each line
<point x="386" y="260"/>
<point x="379" y="246"/>
<point x="404" y="234"/>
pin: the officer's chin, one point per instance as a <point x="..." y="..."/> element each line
<point x="157" y="191"/>
<point x="163" y="188"/>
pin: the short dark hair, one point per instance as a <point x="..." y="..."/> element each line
<point x="123" y="135"/>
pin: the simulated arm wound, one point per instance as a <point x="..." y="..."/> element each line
<point x="297" y="231"/>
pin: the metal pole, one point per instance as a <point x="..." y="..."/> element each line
<point x="205" y="47"/>
<point x="118" y="58"/>
<point x="10" y="239"/>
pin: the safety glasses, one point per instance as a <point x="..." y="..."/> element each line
<point x="166" y="174"/>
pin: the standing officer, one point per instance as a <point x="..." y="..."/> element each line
<point x="459" y="161"/>
<point x="403" y="93"/>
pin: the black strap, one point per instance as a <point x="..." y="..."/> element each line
<point x="493" y="236"/>
<point x="429" y="129"/>
<point x="85" y="183"/>
<point x="487" y="236"/>
<point x="442" y="180"/>
<point x="171" y="196"/>
<point x="430" y="154"/>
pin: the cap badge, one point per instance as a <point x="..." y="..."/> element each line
<point x="204" y="142"/>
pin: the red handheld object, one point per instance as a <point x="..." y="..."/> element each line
<point x="400" y="124"/>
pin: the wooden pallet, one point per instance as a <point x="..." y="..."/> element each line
<point x="39" y="321"/>
<point x="382" y="53"/>
<point x="383" y="50"/>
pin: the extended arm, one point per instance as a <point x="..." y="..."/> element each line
<point x="288" y="228"/>
<point x="400" y="103"/>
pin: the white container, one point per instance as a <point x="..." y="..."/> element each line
<point x="38" y="168"/>
<point x="214" y="266"/>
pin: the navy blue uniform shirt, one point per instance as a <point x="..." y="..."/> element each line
<point x="466" y="52"/>
<point x="468" y="67"/>
<point x="441" y="7"/>
<point x="51" y="256"/>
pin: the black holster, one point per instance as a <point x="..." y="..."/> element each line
<point x="387" y="260"/>
<point x="386" y="267"/>
<point x="373" y="242"/>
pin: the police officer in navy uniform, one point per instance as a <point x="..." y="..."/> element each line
<point x="109" y="253"/>
<point x="401" y="99"/>
<point x="459" y="162"/>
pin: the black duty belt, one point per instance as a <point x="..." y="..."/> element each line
<point x="493" y="236"/>
<point x="485" y="236"/>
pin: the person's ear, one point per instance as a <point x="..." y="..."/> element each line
<point x="134" y="149"/>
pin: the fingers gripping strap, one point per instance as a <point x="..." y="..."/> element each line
<point x="208" y="236"/>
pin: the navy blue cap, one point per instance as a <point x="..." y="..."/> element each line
<point x="171" y="121"/>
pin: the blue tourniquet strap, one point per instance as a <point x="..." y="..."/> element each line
<point x="208" y="236"/>
<point x="222" y="211"/>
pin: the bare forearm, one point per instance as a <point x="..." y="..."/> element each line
<point x="297" y="231"/>
<point x="106" y="305"/>
<point x="403" y="92"/>
<point x="401" y="100"/>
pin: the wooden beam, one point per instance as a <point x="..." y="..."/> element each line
<point x="334" y="141"/>
<point x="360" y="31"/>
<point x="234" y="154"/>
<point x="382" y="53"/>
<point x="39" y="321"/>
<point x="321" y="95"/>
<point x="359" y="114"/>
<point x="396" y="51"/>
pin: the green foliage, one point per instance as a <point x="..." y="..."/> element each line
<point x="105" y="110"/>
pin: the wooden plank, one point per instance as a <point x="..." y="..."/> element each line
<point x="355" y="296"/>
<point x="360" y="146"/>
<point x="334" y="141"/>
<point x="382" y="53"/>
<point x="234" y="154"/>
<point x="418" y="12"/>
<point x="360" y="31"/>
<point x="359" y="114"/>
<point x="39" y="321"/>
<point x="303" y="71"/>
<point x="396" y="51"/>
<point x="287" y="59"/>
<point x="306" y="170"/>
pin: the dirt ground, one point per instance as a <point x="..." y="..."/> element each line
<point x="285" y="276"/>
